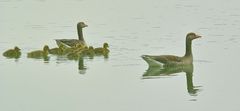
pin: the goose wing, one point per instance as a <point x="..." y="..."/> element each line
<point x="69" y="42"/>
<point x="166" y="58"/>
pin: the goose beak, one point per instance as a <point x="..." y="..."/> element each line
<point x="198" y="36"/>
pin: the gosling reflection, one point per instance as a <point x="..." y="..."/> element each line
<point x="158" y="72"/>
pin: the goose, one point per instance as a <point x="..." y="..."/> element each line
<point x="102" y="50"/>
<point x="13" y="53"/>
<point x="39" y="53"/>
<point x="166" y="60"/>
<point x="73" y="42"/>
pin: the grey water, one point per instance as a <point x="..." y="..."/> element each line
<point x="132" y="28"/>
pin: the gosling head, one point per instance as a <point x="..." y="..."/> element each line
<point x="45" y="48"/>
<point x="192" y="36"/>
<point x="90" y="48"/>
<point x="81" y="25"/>
<point x="16" y="48"/>
<point x="105" y="45"/>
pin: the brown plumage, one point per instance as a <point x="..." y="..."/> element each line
<point x="153" y="60"/>
<point x="73" y="42"/>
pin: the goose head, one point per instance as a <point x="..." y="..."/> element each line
<point x="192" y="36"/>
<point x="16" y="48"/>
<point x="81" y="25"/>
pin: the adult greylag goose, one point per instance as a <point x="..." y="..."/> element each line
<point x="153" y="60"/>
<point x="12" y="53"/>
<point x="73" y="42"/>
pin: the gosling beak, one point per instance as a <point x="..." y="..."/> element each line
<point x="85" y="25"/>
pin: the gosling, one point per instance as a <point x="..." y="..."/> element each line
<point x="13" y="53"/>
<point x="39" y="53"/>
<point x="102" y="50"/>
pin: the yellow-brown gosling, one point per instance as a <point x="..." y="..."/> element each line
<point x="39" y="53"/>
<point x="73" y="55"/>
<point x="172" y="59"/>
<point x="102" y="50"/>
<point x="75" y="52"/>
<point x="57" y="51"/>
<point x="73" y="42"/>
<point x="77" y="48"/>
<point x="12" y="53"/>
<point x="88" y="52"/>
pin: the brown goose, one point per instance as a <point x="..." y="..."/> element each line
<point x="153" y="60"/>
<point x="73" y="42"/>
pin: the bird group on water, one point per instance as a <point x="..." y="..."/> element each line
<point x="71" y="48"/>
<point x="159" y="65"/>
<point x="75" y="48"/>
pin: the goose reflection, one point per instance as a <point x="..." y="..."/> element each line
<point x="158" y="72"/>
<point x="81" y="67"/>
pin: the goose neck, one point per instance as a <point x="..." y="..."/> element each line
<point x="188" y="48"/>
<point x="80" y="34"/>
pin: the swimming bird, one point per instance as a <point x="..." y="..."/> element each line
<point x="88" y="52"/>
<point x="57" y="50"/>
<point x="154" y="60"/>
<point x="39" y="53"/>
<point x="78" y="48"/>
<point x="73" y="42"/>
<point x="102" y="50"/>
<point x="73" y="56"/>
<point x="13" y="53"/>
<point x="77" y="51"/>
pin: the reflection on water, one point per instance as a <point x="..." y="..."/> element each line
<point x="154" y="72"/>
<point x="81" y="61"/>
<point x="81" y="67"/>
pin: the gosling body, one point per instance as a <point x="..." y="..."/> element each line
<point x="102" y="50"/>
<point x="13" y="53"/>
<point x="39" y="53"/>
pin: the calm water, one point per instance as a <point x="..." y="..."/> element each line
<point x="132" y="28"/>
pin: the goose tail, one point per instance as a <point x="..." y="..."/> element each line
<point x="151" y="62"/>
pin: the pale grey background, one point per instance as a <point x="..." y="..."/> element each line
<point x="132" y="28"/>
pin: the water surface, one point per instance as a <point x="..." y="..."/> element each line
<point x="132" y="28"/>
